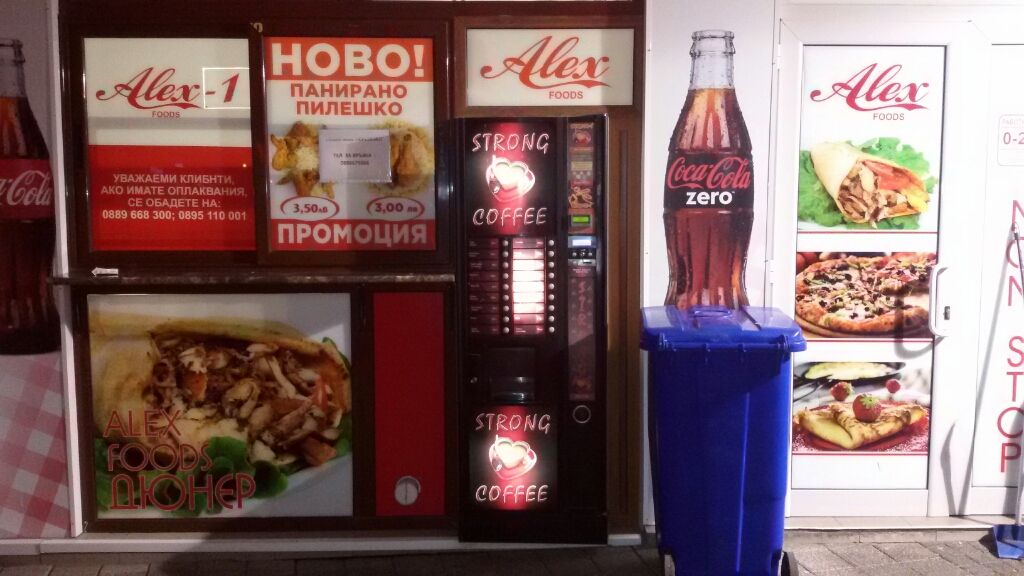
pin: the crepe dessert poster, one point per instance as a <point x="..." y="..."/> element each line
<point x="861" y="419"/>
<point x="870" y="139"/>
<point x="221" y="405"/>
<point x="318" y="86"/>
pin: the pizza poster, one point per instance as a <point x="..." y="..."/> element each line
<point x="320" y="90"/>
<point x="221" y="406"/>
<point x="169" y="155"/>
<point x="870" y="139"/>
<point x="513" y="463"/>
<point x="1000" y="420"/>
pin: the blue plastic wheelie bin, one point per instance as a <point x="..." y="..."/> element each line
<point x="719" y="390"/>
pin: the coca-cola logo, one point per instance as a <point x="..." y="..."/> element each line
<point x="730" y="172"/>
<point x="151" y="89"/>
<point x="547" y="65"/>
<point x="866" y="91"/>
<point x="27" y="189"/>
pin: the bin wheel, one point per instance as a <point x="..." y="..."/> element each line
<point x="668" y="564"/>
<point x="789" y="566"/>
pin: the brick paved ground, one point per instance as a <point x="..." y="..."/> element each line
<point x="816" y="559"/>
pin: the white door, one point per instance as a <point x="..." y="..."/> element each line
<point x="997" y="448"/>
<point x="876" y="163"/>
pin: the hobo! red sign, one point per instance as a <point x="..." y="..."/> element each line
<point x="326" y="86"/>
<point x="169" y="144"/>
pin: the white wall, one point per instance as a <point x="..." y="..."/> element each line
<point x="670" y="24"/>
<point x="27" y="21"/>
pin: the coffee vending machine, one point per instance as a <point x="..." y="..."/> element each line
<point x="533" y="329"/>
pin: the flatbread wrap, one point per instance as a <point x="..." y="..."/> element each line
<point x="867" y="188"/>
<point x="262" y="383"/>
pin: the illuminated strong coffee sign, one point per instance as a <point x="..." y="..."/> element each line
<point x="513" y="458"/>
<point x="509" y="178"/>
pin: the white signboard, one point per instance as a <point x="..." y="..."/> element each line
<point x="549" y="67"/>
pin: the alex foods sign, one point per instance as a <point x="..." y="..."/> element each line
<point x="169" y="144"/>
<point x="549" y="67"/>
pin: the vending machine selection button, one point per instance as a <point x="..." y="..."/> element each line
<point x="478" y="243"/>
<point x="527" y="254"/>
<point x="482" y="297"/>
<point x="528" y="318"/>
<point x="527" y="242"/>
<point x="483" y="265"/>
<point x="482" y="254"/>
<point x="483" y="276"/>
<point x="483" y="319"/>
<point x="483" y="286"/>
<point x="484" y="330"/>
<point x="529" y="308"/>
<point x="528" y="330"/>
<point x="484" y="309"/>
<point x="527" y="264"/>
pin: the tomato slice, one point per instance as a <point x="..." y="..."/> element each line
<point x="889" y="177"/>
<point x="320" y="394"/>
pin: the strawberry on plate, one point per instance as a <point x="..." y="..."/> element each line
<point x="841" y="391"/>
<point x="866" y="408"/>
<point x="892" y="385"/>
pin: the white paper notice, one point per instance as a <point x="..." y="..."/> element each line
<point x="1011" y="140"/>
<point x="355" y="155"/>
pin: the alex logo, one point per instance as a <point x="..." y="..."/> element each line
<point x="153" y="88"/>
<point x="873" y="88"/>
<point x="552" y="64"/>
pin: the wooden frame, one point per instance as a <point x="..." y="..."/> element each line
<point x="363" y="470"/>
<point x="463" y="24"/>
<point x="441" y="256"/>
<point x="234" y="19"/>
<point x="624" y="211"/>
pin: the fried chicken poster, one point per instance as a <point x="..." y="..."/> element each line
<point x="318" y="84"/>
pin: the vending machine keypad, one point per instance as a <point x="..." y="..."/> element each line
<point x="511" y="286"/>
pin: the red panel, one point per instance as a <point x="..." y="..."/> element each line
<point x="408" y="339"/>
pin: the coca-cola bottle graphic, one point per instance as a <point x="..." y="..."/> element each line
<point x="28" y="318"/>
<point x="709" y="194"/>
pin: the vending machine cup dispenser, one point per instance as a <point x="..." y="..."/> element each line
<point x="532" y="322"/>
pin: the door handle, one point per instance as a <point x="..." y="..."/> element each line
<point x="933" y="302"/>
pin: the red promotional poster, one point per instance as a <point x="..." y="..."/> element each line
<point x="351" y="124"/>
<point x="169" y="145"/>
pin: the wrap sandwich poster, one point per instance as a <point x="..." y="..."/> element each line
<point x="871" y="138"/>
<point x="221" y="405"/>
<point x="329" y="100"/>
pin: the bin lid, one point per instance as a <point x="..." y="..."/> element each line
<point x="755" y="326"/>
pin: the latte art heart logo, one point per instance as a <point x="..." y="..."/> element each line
<point x="511" y="459"/>
<point x="509" y="180"/>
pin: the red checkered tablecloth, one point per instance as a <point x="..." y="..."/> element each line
<point x="33" y="459"/>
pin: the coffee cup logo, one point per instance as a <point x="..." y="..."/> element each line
<point x="509" y="180"/>
<point x="511" y="459"/>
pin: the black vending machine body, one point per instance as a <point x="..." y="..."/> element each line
<point x="533" y="329"/>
